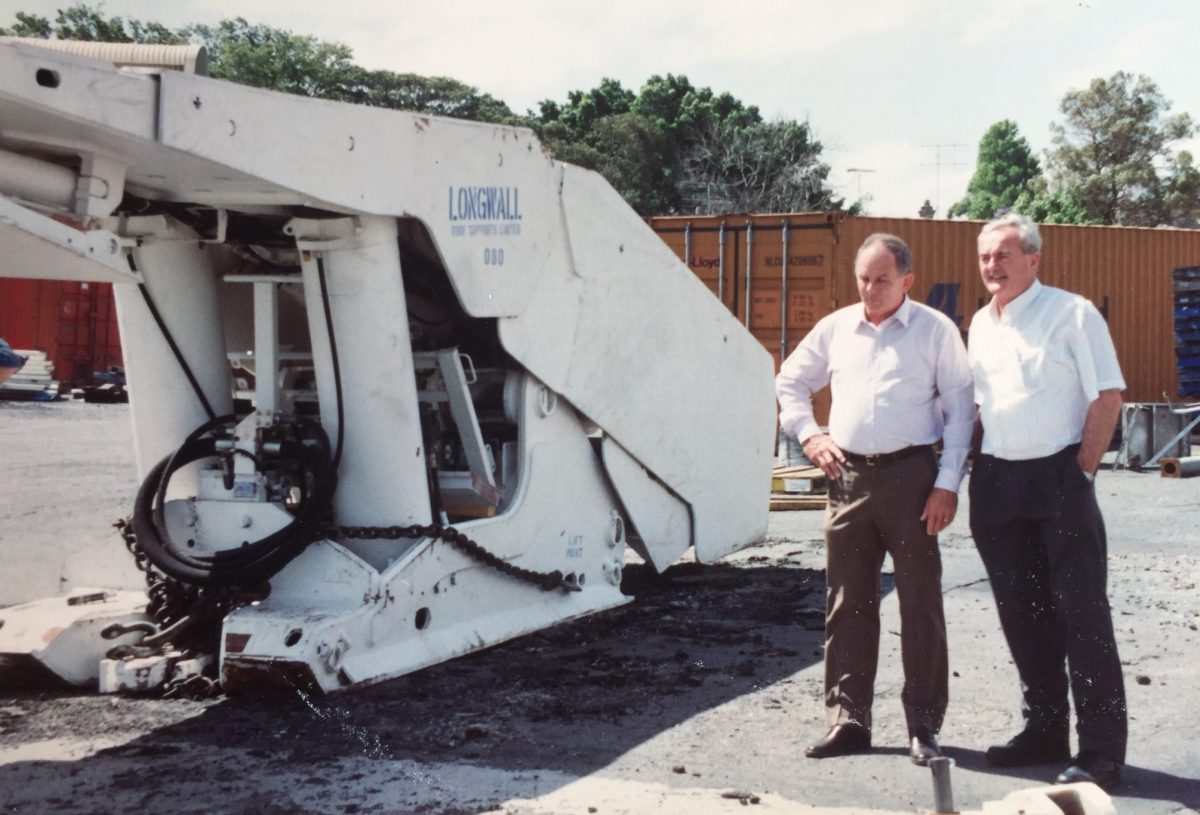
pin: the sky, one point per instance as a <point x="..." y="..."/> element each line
<point x="899" y="92"/>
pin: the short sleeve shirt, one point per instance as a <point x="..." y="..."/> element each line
<point x="1037" y="366"/>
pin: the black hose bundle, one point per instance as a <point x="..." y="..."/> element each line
<point x="251" y="562"/>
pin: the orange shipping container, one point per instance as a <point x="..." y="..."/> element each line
<point x="1125" y="271"/>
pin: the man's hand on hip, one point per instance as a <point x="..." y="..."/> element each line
<point x="822" y="452"/>
<point x="940" y="509"/>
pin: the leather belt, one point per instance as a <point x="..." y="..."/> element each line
<point x="877" y="459"/>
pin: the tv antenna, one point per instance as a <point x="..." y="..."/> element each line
<point x="858" y="172"/>
<point x="939" y="163"/>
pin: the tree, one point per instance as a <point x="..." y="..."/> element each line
<point x="1004" y="170"/>
<point x="1183" y="192"/>
<point x="437" y="95"/>
<point x="88" y="23"/>
<point x="1053" y="205"/>
<point x="267" y="57"/>
<point x="675" y="105"/>
<point x="674" y="147"/>
<point x="29" y="25"/>
<point x="670" y="147"/>
<point x="1108" y="151"/>
<point x="629" y="149"/>
<point x="763" y="167"/>
<point x="585" y="108"/>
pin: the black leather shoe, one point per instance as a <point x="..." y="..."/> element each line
<point x="1029" y="747"/>
<point x="841" y="740"/>
<point x="923" y="747"/>
<point x="1088" y="766"/>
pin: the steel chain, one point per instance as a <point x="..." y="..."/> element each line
<point x="546" y="581"/>
<point x="171" y="601"/>
<point x="196" y="686"/>
<point x="167" y="598"/>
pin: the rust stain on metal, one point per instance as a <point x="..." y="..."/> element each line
<point x="236" y="643"/>
<point x="267" y="675"/>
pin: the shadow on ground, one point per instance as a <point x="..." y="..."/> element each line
<point x="1137" y="782"/>
<point x="567" y="700"/>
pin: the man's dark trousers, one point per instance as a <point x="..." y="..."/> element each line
<point x="1039" y="531"/>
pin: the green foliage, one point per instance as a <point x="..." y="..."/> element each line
<point x="671" y="147"/>
<point x="1108" y="149"/>
<point x="674" y="147"/>
<point x="674" y="104"/>
<point x="29" y="25"/>
<point x="1182" y="196"/>
<point x="629" y="148"/>
<point x="1003" y="172"/>
<point x="89" y="24"/>
<point x="1058" y="205"/>
<point x="585" y="108"/>
<point x="436" y="95"/>
<point x="763" y="167"/>
<point x="266" y="57"/>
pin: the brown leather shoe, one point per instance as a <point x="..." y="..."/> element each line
<point x="841" y="740"/>
<point x="923" y="747"/>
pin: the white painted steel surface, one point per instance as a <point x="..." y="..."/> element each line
<point x="582" y="324"/>
<point x="645" y="351"/>
<point x="560" y="518"/>
<point x="181" y="277"/>
<point x="661" y="520"/>
<point x="382" y="478"/>
<point x="36" y="245"/>
<point x="62" y="634"/>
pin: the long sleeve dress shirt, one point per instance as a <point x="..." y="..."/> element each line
<point x="903" y="382"/>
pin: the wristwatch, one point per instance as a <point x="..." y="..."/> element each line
<point x="1091" y="477"/>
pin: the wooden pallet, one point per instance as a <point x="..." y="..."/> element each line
<point x="784" y="502"/>
<point x="798" y="480"/>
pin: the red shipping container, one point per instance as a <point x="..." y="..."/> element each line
<point x="75" y="323"/>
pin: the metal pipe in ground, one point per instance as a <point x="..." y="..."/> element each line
<point x="943" y="795"/>
<point x="1179" y="467"/>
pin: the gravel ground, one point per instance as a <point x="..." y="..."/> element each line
<point x="697" y="697"/>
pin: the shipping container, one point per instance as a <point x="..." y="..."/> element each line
<point x="779" y="274"/>
<point x="74" y="323"/>
<point x="1126" y="272"/>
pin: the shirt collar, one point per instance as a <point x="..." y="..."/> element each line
<point x="1019" y="303"/>
<point x="902" y="314"/>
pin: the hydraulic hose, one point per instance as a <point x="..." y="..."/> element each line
<point x="252" y="562"/>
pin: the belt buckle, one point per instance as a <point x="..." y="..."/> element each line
<point x="873" y="459"/>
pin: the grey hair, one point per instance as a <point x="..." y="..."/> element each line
<point x="893" y="244"/>
<point x="1027" y="231"/>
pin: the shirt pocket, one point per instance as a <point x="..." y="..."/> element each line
<point x="1032" y="365"/>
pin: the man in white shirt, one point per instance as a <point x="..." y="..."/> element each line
<point x="1049" y="388"/>
<point x="900" y="382"/>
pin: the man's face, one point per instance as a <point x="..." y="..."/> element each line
<point x="881" y="286"/>
<point x="1006" y="269"/>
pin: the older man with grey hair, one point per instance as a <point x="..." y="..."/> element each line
<point x="901" y="383"/>
<point x="1048" y="386"/>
